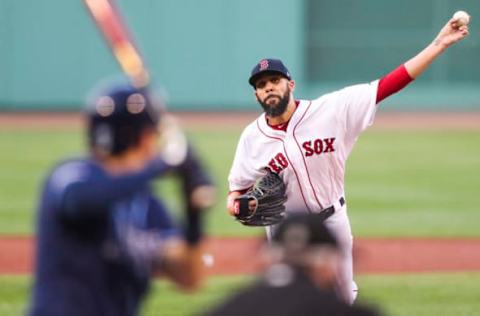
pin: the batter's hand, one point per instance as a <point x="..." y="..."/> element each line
<point x="451" y="33"/>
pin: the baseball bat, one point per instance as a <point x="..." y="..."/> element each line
<point x="174" y="145"/>
<point x="109" y="21"/>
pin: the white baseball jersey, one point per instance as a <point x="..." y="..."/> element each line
<point x="310" y="155"/>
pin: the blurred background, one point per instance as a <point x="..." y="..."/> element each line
<point x="414" y="174"/>
<point x="201" y="52"/>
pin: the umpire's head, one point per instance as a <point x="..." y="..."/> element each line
<point x="301" y="232"/>
<point x="304" y="242"/>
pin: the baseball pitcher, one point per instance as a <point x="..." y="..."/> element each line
<point x="307" y="142"/>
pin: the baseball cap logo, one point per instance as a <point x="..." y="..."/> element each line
<point x="263" y="64"/>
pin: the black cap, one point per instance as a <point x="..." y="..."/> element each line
<point x="268" y="65"/>
<point x="304" y="231"/>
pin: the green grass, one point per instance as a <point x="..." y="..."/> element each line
<point x="14" y="295"/>
<point x="423" y="294"/>
<point x="398" y="183"/>
<point x="412" y="183"/>
<point x="410" y="294"/>
<point x="26" y="157"/>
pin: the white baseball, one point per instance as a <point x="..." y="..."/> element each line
<point x="462" y="18"/>
<point x="208" y="260"/>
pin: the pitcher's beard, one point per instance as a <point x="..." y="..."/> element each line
<point x="277" y="109"/>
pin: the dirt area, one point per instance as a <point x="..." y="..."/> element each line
<point x="238" y="255"/>
<point x="218" y="120"/>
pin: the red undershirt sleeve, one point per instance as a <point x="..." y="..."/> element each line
<point x="393" y="82"/>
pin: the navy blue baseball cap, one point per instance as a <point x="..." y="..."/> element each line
<point x="268" y="65"/>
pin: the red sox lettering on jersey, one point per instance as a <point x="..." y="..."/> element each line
<point x="315" y="147"/>
<point x="318" y="146"/>
<point x="278" y="163"/>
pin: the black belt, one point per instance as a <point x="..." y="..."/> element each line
<point x="327" y="212"/>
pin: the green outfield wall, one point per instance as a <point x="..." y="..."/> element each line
<point x="201" y="52"/>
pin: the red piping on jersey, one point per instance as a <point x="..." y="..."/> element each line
<point x="393" y="82"/>
<point x="289" y="161"/>
<point x="303" y="157"/>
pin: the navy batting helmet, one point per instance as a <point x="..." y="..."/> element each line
<point x="117" y="117"/>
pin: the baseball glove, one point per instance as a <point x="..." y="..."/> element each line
<point x="263" y="204"/>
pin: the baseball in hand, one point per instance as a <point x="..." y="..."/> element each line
<point x="462" y="18"/>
